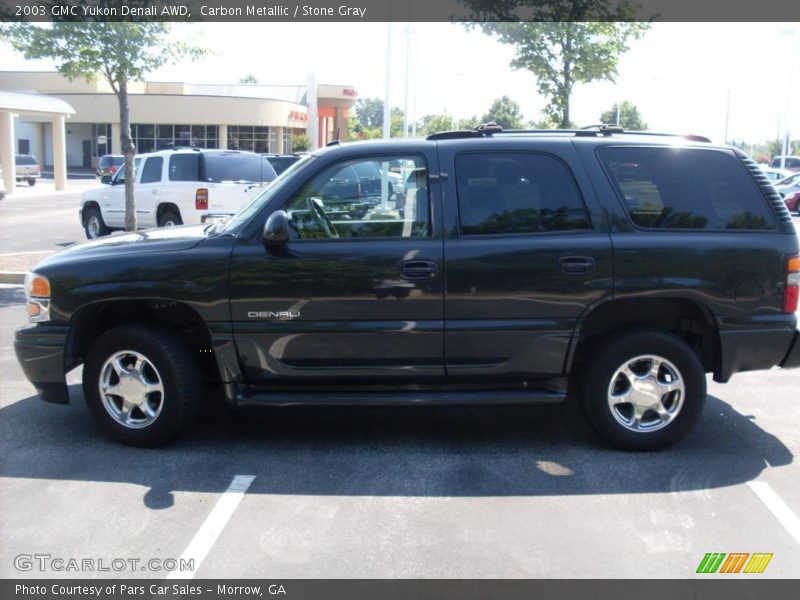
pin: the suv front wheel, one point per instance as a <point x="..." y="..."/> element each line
<point x="94" y="226"/>
<point x="142" y="385"/>
<point x="644" y="391"/>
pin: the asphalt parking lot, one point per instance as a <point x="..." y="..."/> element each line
<point x="388" y="493"/>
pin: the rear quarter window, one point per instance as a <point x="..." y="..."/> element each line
<point x="686" y="188"/>
<point x="242" y="167"/>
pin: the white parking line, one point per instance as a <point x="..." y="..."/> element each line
<point x="777" y="507"/>
<point x="209" y="531"/>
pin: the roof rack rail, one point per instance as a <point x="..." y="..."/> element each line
<point x="490" y="129"/>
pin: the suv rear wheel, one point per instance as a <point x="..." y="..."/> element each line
<point x="142" y="385"/>
<point x="644" y="391"/>
<point x="169" y="218"/>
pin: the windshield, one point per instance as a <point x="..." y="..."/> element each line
<point x="257" y="203"/>
<point x="236" y="166"/>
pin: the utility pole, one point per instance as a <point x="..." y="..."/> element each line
<point x="387" y="110"/>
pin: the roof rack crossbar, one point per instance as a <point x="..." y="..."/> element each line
<point x="491" y="129"/>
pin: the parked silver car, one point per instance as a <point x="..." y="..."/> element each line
<point x="27" y="169"/>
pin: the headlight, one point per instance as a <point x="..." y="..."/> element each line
<point x="37" y="294"/>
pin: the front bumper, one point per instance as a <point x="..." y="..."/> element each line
<point x="40" y="352"/>
<point x="792" y="358"/>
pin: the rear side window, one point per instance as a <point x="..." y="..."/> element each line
<point x="152" y="169"/>
<point x="685" y="188"/>
<point x="236" y="167"/>
<point x="184" y="167"/>
<point x="512" y="193"/>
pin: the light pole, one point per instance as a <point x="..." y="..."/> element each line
<point x="786" y="120"/>
<point x="387" y="109"/>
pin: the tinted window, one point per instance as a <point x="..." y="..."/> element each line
<point x="281" y="163"/>
<point x="339" y="203"/>
<point x="684" y="188"/>
<point x="25" y="160"/>
<point x="152" y="169"/>
<point x="184" y="167"/>
<point x="517" y="193"/>
<point x="236" y="167"/>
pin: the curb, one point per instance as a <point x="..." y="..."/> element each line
<point x="10" y="277"/>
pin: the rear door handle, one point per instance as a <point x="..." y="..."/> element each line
<point x="417" y="269"/>
<point x="576" y="265"/>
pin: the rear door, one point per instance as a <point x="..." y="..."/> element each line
<point x="527" y="252"/>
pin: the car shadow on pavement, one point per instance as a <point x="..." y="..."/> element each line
<point x="414" y="451"/>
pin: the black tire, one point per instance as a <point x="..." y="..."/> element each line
<point x="169" y="218"/>
<point x="176" y="368"/>
<point x="627" y="346"/>
<point x="31" y="182"/>
<point x="93" y="225"/>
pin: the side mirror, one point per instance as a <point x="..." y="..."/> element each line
<point x="276" y="229"/>
<point x="106" y="179"/>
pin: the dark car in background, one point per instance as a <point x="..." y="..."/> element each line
<point x="109" y="164"/>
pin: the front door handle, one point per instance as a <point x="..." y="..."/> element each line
<point x="576" y="265"/>
<point x="417" y="269"/>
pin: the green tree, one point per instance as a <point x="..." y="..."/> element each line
<point x="506" y="113"/>
<point x="120" y="52"/>
<point x="629" y="117"/>
<point x="299" y="143"/>
<point x="468" y="123"/>
<point x="248" y="79"/>
<point x="369" y="112"/>
<point x="563" y="43"/>
<point x="435" y="123"/>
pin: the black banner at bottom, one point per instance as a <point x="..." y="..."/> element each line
<point x="405" y="589"/>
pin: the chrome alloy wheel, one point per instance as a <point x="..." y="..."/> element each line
<point x="646" y="393"/>
<point x="93" y="227"/>
<point x="131" y="389"/>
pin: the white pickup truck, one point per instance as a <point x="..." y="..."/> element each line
<point x="176" y="187"/>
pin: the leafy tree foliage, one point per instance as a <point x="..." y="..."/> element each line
<point x="629" y="117"/>
<point x="506" y="113"/>
<point x="562" y="42"/>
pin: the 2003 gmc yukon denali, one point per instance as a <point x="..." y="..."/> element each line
<point x="513" y="267"/>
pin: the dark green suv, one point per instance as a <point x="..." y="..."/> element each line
<point x="512" y="267"/>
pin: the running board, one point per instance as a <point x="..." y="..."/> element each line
<point x="401" y="398"/>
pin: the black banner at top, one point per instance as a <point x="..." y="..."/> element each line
<point x="398" y="10"/>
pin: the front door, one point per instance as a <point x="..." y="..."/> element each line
<point x="358" y="290"/>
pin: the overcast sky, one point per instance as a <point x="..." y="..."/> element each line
<point x="679" y="75"/>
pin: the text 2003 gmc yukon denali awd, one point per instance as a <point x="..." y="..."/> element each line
<point x="513" y="267"/>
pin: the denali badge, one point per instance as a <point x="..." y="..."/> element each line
<point x="271" y="314"/>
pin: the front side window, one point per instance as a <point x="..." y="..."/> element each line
<point x="517" y="193"/>
<point x="120" y="175"/>
<point x="686" y="188"/>
<point x="364" y="198"/>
